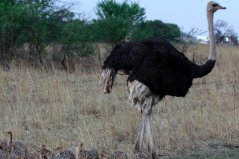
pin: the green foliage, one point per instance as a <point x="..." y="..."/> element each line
<point x="23" y="21"/>
<point x="40" y="23"/>
<point x="116" y="20"/>
<point x="42" y="26"/>
<point x="10" y="27"/>
<point x="156" y="29"/>
<point x="76" y="39"/>
<point x="74" y="31"/>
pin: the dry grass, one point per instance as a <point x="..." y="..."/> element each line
<point x="56" y="108"/>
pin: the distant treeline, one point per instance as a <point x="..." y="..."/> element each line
<point x="39" y="23"/>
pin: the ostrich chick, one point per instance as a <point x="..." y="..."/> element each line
<point x="86" y="154"/>
<point x="14" y="149"/>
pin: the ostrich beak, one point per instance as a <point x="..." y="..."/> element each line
<point x="221" y="7"/>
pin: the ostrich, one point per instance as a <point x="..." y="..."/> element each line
<point x="64" y="155"/>
<point x="119" y="155"/>
<point x="16" y="148"/>
<point x="86" y="154"/>
<point x="155" y="69"/>
<point x="45" y="153"/>
<point x="12" y="149"/>
<point x="58" y="153"/>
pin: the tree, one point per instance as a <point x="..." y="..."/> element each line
<point x="76" y="39"/>
<point x="115" y="20"/>
<point x="11" y="26"/>
<point x="231" y="35"/>
<point x="225" y="33"/>
<point x="39" y="23"/>
<point x="156" y="29"/>
<point x="220" y="28"/>
<point x="41" y="26"/>
<point x="24" y="21"/>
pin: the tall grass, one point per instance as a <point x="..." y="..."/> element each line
<point x="57" y="108"/>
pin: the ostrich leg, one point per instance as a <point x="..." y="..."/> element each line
<point x="148" y="135"/>
<point x="145" y="134"/>
<point x="148" y="105"/>
<point x="140" y="136"/>
<point x="141" y="97"/>
<point x="145" y="131"/>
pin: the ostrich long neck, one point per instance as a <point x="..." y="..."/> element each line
<point x="208" y="66"/>
<point x="212" y="45"/>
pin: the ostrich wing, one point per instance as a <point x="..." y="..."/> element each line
<point x="164" y="74"/>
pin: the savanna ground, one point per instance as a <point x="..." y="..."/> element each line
<point x="57" y="108"/>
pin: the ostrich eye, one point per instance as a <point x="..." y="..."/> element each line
<point x="214" y="5"/>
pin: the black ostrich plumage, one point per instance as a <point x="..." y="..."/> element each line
<point x="158" y="65"/>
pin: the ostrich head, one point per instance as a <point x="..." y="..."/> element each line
<point x="10" y="137"/>
<point x="213" y="7"/>
<point x="107" y="79"/>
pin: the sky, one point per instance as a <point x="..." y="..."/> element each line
<point x="187" y="14"/>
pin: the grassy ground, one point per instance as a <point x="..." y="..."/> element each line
<point x="56" y="108"/>
<point x="212" y="151"/>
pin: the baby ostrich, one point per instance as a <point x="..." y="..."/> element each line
<point x="86" y="154"/>
<point x="60" y="154"/>
<point x="64" y="155"/>
<point x="155" y="69"/>
<point x="3" y="154"/>
<point x="13" y="149"/>
<point x="103" y="154"/>
<point x="55" y="154"/>
<point x="45" y="153"/>
<point x="140" y="155"/>
<point x="119" y="155"/>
